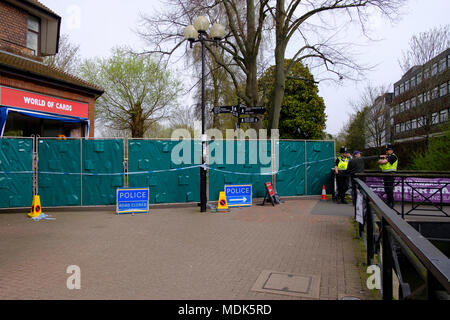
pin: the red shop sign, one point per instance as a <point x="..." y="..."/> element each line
<point x="27" y="100"/>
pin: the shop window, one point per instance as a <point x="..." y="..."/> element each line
<point x="443" y="90"/>
<point x="443" y="116"/>
<point x="33" y="34"/>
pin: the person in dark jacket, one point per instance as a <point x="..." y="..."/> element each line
<point x="357" y="165"/>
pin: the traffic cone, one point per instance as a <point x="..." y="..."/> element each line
<point x="324" y="193"/>
<point x="36" y="208"/>
<point x="222" y="205"/>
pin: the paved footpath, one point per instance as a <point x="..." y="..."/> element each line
<point x="177" y="253"/>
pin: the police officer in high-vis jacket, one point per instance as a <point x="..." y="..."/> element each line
<point x="388" y="164"/>
<point x="342" y="178"/>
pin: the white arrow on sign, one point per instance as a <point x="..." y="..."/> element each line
<point x="242" y="199"/>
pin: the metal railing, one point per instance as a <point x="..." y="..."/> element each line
<point x="421" y="191"/>
<point x="386" y="235"/>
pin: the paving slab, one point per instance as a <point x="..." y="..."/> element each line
<point x="178" y="253"/>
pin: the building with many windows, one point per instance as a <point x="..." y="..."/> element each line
<point x="378" y="122"/>
<point x="36" y="99"/>
<point x="420" y="103"/>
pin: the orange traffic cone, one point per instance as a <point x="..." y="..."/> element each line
<point x="324" y="193"/>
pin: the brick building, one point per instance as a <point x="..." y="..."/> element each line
<point x="36" y="98"/>
<point x="421" y="100"/>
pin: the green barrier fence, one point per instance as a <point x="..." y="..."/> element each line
<point x="150" y="165"/>
<point x="87" y="172"/>
<point x="16" y="178"/>
<point x="239" y="162"/>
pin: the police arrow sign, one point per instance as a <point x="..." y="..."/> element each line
<point x="238" y="195"/>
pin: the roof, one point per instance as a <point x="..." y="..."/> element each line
<point x="39" y="5"/>
<point x="40" y="71"/>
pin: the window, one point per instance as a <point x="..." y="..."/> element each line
<point x="402" y="87"/>
<point x="413" y="124"/>
<point x="427" y="96"/>
<point x="33" y="34"/>
<point x="397" y="90"/>
<point x="443" y="90"/>
<point x="407" y="126"/>
<point x="397" y="128"/>
<point x="442" y="64"/>
<point x="402" y="127"/>
<point x="407" y="104"/>
<point x="406" y="85"/>
<point x="434" y="118"/>
<point x="402" y="107"/>
<point x="419" y="122"/>
<point x="420" y="99"/>
<point x="434" y="69"/>
<point x="443" y="116"/>
<point x="419" y="77"/>
<point x="435" y="93"/>
<point x="413" y="102"/>
<point x="426" y="73"/>
<point x="412" y="82"/>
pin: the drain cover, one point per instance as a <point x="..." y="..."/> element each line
<point x="288" y="284"/>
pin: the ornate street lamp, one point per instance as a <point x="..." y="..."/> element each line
<point x="198" y="33"/>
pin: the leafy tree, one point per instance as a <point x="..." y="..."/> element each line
<point x="138" y="93"/>
<point x="303" y="110"/>
<point x="355" y="137"/>
<point x="437" y="156"/>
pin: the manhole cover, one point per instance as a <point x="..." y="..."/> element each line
<point x="288" y="284"/>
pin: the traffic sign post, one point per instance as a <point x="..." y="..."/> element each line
<point x="239" y="195"/>
<point x="239" y="110"/>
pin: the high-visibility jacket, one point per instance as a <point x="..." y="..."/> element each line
<point x="388" y="167"/>
<point x="343" y="163"/>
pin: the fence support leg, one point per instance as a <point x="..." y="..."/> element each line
<point x="387" y="263"/>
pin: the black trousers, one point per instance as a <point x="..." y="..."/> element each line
<point x="389" y="190"/>
<point x="342" y="185"/>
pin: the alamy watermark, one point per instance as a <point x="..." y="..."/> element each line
<point x="237" y="147"/>
<point x="74" y="280"/>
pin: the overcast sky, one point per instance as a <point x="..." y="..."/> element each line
<point x="102" y="24"/>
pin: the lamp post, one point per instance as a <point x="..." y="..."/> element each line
<point x="198" y="33"/>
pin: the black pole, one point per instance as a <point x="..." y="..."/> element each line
<point x="203" y="199"/>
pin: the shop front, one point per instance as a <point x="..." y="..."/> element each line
<point x="25" y="113"/>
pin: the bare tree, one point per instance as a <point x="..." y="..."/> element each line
<point x="424" y="46"/>
<point x="310" y="24"/>
<point x="377" y="100"/>
<point x="68" y="57"/>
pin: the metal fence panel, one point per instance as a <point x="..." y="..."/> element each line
<point x="102" y="171"/>
<point x="242" y="165"/>
<point x="320" y="157"/>
<point x="16" y="177"/>
<point x="59" y="172"/>
<point x="290" y="180"/>
<point x="150" y="165"/>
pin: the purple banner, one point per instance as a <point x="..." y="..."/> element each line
<point x="417" y="188"/>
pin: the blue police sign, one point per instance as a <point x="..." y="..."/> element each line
<point x="239" y="195"/>
<point x="132" y="200"/>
